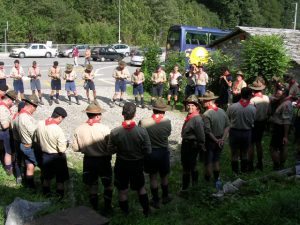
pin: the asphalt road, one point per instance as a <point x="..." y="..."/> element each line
<point x="103" y="70"/>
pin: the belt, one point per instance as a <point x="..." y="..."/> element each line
<point x="239" y="129"/>
<point x="27" y="145"/>
<point x="69" y="81"/>
<point x="2" y="78"/>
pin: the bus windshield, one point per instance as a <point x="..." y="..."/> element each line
<point x="173" y="40"/>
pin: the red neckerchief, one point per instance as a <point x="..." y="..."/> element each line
<point x="34" y="70"/>
<point x="50" y="121"/>
<point x="18" y="69"/>
<point x="258" y="94"/>
<point x="236" y="84"/>
<point x="157" y="117"/>
<point x="91" y="122"/>
<point x="5" y="105"/>
<point x="214" y="107"/>
<point x="189" y="117"/>
<point x="25" y="111"/>
<point x="15" y="116"/>
<point x="244" y="103"/>
<point x="129" y="126"/>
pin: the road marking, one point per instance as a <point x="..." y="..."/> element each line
<point x="106" y="81"/>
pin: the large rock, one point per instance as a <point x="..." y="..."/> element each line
<point x="21" y="211"/>
<point x="80" y="215"/>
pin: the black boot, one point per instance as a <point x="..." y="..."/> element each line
<point x="165" y="194"/>
<point x="94" y="201"/>
<point x="60" y="193"/>
<point x="57" y="98"/>
<point x="235" y="166"/>
<point x="69" y="97"/>
<point x="46" y="191"/>
<point x="195" y="175"/>
<point x="244" y="165"/>
<point x="136" y="101"/>
<point x="142" y="102"/>
<point x="107" y="200"/>
<point x="124" y="206"/>
<point x="144" y="201"/>
<point x="169" y="102"/>
<point x="155" y="198"/>
<point x="30" y="182"/>
<point x="77" y="100"/>
<point x="51" y="100"/>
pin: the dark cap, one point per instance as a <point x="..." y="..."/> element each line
<point x="1" y="63"/>
<point x="17" y="61"/>
<point x="34" y="63"/>
<point x="59" y="111"/>
<point x="55" y="63"/>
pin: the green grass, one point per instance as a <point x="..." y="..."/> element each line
<point x="272" y="201"/>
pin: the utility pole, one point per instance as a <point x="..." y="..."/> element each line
<point x="5" y="37"/>
<point x="295" y="18"/>
<point x="119" y="21"/>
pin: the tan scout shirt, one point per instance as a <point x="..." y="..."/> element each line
<point x="15" y="127"/>
<point x="158" y="132"/>
<point x="215" y="122"/>
<point x="173" y="80"/>
<point x="201" y="79"/>
<point x="138" y="79"/>
<point x="121" y="74"/>
<point x="91" y="140"/>
<point x="5" y="116"/>
<point x="34" y="73"/>
<point x="240" y="117"/>
<point x="262" y="105"/>
<point x="55" y="73"/>
<point x="159" y="77"/>
<point x="2" y="74"/>
<point x="89" y="76"/>
<point x="70" y="76"/>
<point x="283" y="114"/>
<point x="17" y="74"/>
<point x="237" y="87"/>
<point x="51" y="138"/>
<point x="26" y="127"/>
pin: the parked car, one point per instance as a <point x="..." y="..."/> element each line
<point x="68" y="52"/>
<point x="121" y="48"/>
<point x="34" y="50"/>
<point x="138" y="57"/>
<point x="105" y="53"/>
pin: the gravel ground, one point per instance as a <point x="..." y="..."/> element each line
<point x="112" y="117"/>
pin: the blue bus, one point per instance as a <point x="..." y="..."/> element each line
<point x="185" y="38"/>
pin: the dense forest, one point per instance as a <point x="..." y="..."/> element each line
<point x="142" y="21"/>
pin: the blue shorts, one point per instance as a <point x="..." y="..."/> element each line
<point x="138" y="89"/>
<point x="29" y="155"/>
<point x="89" y="85"/>
<point x="3" y="82"/>
<point x="18" y="86"/>
<point x="35" y="84"/>
<point x="56" y="85"/>
<point x="120" y="85"/>
<point x="200" y="90"/>
<point x="70" y="86"/>
<point x="5" y="138"/>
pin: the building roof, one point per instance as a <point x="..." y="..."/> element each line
<point x="290" y="37"/>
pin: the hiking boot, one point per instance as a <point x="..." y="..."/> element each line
<point x="51" y="102"/>
<point x="70" y="103"/>
<point x="41" y="102"/>
<point x="56" y="101"/>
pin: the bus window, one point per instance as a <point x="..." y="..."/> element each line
<point x="173" y="41"/>
<point x="196" y="38"/>
<point x="213" y="37"/>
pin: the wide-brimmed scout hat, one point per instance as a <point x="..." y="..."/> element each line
<point x="122" y="63"/>
<point x="89" y="67"/>
<point x="12" y="95"/>
<point x="240" y="73"/>
<point x="32" y="99"/>
<point x="69" y="68"/>
<point x="160" y="105"/>
<point x="257" y="86"/>
<point x="192" y="99"/>
<point x="94" y="108"/>
<point x="208" y="96"/>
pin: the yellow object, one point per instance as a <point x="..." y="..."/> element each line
<point x="199" y="55"/>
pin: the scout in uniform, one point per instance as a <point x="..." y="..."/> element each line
<point x="5" y="125"/>
<point x="262" y="104"/>
<point x="201" y="81"/>
<point x="121" y="74"/>
<point x="53" y="144"/>
<point x="131" y="144"/>
<point x="158" y="79"/>
<point x="2" y="74"/>
<point x="26" y="126"/>
<point x="174" y="81"/>
<point x="70" y="76"/>
<point x="89" y="84"/>
<point x="237" y="86"/>
<point x="87" y="56"/>
<point x="216" y="127"/>
<point x="241" y="116"/>
<point x="193" y="141"/>
<point x="91" y="139"/>
<point x="281" y="121"/>
<point x="293" y="86"/>
<point x="3" y="90"/>
<point x="34" y="73"/>
<point x="158" y="162"/>
<point x="55" y="73"/>
<point x="75" y="54"/>
<point x="225" y="84"/>
<point x="17" y="74"/>
<point x="138" y="79"/>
